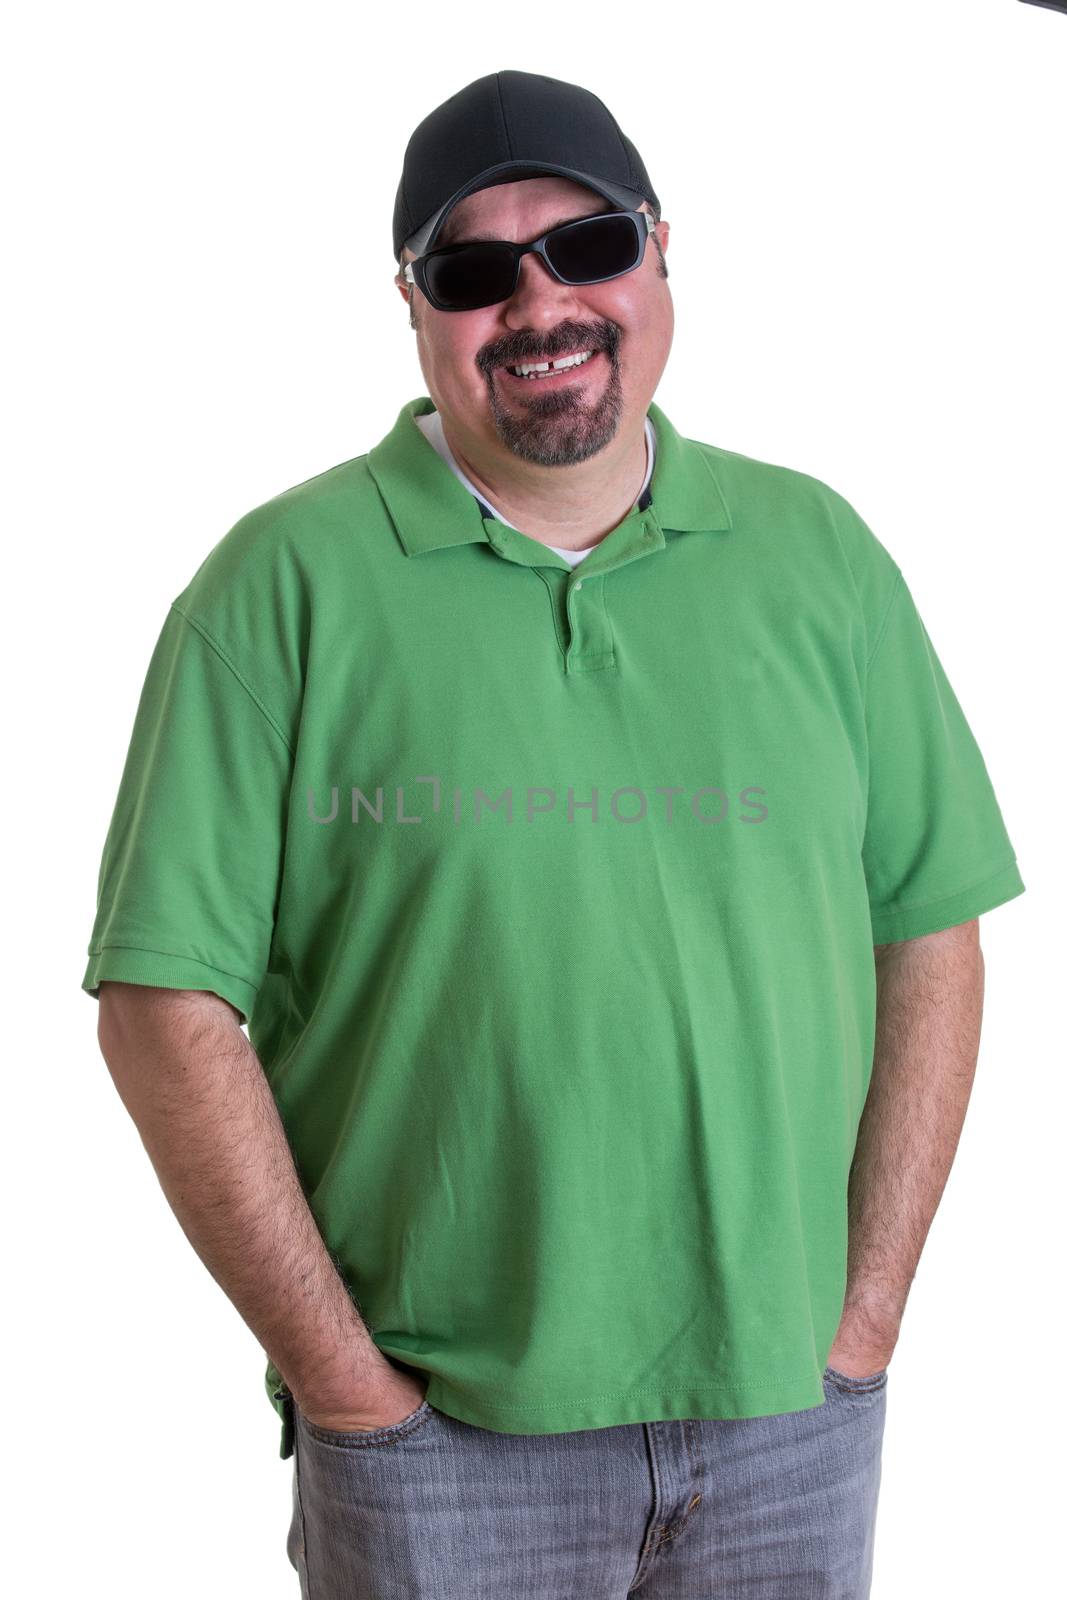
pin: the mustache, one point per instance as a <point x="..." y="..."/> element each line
<point x="548" y="347"/>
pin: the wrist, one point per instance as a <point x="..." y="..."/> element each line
<point x="874" y="1311"/>
<point x="326" y="1386"/>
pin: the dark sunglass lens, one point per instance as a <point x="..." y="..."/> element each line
<point x="601" y="248"/>
<point x="470" y="276"/>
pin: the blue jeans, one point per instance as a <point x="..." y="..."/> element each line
<point x="753" y="1508"/>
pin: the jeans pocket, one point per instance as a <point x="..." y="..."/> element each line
<point x="841" y="1383"/>
<point x="358" y="1439"/>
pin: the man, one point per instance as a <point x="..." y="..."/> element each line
<point x="583" y="824"/>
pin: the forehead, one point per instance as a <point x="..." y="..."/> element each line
<point x="521" y="210"/>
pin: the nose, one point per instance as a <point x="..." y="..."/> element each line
<point x="539" y="299"/>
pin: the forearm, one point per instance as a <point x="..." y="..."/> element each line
<point x="195" y="1088"/>
<point x="930" y="996"/>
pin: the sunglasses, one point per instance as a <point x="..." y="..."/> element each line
<point x="466" y="277"/>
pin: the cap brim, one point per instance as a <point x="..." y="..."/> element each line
<point x="425" y="237"/>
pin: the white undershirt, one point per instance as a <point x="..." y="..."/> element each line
<point x="432" y="427"/>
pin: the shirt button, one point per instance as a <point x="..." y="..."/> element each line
<point x="578" y="585"/>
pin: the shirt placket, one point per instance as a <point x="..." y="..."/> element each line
<point x="588" y="639"/>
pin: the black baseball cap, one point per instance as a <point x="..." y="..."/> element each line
<point x="503" y="127"/>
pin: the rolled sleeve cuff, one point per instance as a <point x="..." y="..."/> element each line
<point x="122" y="964"/>
<point x="911" y="922"/>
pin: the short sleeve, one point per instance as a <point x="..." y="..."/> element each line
<point x="936" y="851"/>
<point x="192" y="861"/>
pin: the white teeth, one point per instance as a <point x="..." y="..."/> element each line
<point x="571" y="361"/>
<point x="525" y="368"/>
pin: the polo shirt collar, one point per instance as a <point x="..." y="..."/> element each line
<point x="431" y="509"/>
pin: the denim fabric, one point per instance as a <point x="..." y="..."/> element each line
<point x="756" y="1508"/>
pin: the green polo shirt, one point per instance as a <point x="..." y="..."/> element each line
<point x="549" y="897"/>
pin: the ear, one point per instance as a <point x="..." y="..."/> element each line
<point x="401" y="282"/>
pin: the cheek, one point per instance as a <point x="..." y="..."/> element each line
<point x="627" y="304"/>
<point x="456" y="349"/>
<point x="646" y="321"/>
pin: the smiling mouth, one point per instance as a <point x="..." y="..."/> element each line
<point x="547" y="372"/>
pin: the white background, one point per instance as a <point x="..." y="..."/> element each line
<point x="868" y="271"/>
